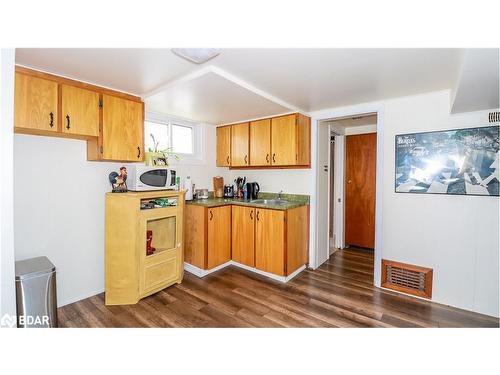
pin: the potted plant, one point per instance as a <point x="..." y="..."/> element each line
<point x="156" y="156"/>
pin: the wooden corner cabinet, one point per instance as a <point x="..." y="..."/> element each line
<point x="277" y="142"/>
<point x="132" y="273"/>
<point x="273" y="241"/>
<point x="111" y="122"/>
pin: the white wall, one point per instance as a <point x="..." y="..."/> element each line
<point x="7" y="289"/>
<point x="457" y="236"/>
<point x="59" y="208"/>
<point x="293" y="181"/>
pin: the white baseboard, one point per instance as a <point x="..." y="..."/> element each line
<point x="201" y="273"/>
<point x="79" y="298"/>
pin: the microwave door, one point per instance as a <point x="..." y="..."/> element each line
<point x="155" y="178"/>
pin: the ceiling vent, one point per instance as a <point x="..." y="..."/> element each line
<point x="494" y="117"/>
<point x="407" y="278"/>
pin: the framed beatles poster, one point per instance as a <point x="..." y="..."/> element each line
<point x="460" y="162"/>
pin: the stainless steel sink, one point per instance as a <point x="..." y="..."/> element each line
<point x="275" y="202"/>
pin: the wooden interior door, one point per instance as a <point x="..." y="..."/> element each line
<point x="224" y="146"/>
<point x="80" y="111"/>
<point x="243" y="235"/>
<point x="360" y="164"/>
<point x="270" y="241"/>
<point x="284" y="140"/>
<point x="260" y="142"/>
<point x="239" y="145"/>
<point x="123" y="129"/>
<point x="35" y="103"/>
<point x="219" y="236"/>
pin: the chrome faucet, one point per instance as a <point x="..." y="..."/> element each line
<point x="280" y="194"/>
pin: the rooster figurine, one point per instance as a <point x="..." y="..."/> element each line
<point x="119" y="180"/>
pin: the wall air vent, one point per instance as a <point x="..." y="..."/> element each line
<point x="407" y="278"/>
<point x="494" y="117"/>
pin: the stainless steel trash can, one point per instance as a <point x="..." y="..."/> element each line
<point x="36" y="293"/>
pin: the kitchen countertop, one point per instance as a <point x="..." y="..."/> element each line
<point x="294" y="200"/>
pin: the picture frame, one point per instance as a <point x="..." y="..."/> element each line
<point x="453" y="162"/>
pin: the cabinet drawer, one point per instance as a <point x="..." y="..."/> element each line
<point x="161" y="268"/>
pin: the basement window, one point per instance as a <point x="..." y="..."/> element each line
<point x="183" y="137"/>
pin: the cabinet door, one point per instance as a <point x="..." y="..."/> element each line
<point x="239" y="145"/>
<point x="243" y="235"/>
<point x="219" y="236"/>
<point x="224" y="146"/>
<point x="80" y="111"/>
<point x="270" y="241"/>
<point x="35" y="103"/>
<point x="260" y="142"/>
<point x="122" y="129"/>
<point x="284" y="140"/>
<point x="303" y="140"/>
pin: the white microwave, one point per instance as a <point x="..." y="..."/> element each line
<point x="144" y="178"/>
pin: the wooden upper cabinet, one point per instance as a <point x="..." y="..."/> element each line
<point x="243" y="235"/>
<point x="239" y="145"/>
<point x="122" y="129"/>
<point x="224" y="146"/>
<point x="35" y="104"/>
<point x="260" y="142"/>
<point x="270" y="241"/>
<point x="219" y="236"/>
<point x="80" y="111"/>
<point x="303" y="140"/>
<point x="284" y="140"/>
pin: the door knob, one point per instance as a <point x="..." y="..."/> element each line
<point x="349" y="181"/>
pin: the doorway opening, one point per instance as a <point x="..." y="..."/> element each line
<point x="350" y="173"/>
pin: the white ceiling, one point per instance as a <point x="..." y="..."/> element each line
<point x="247" y="83"/>
<point x="211" y="98"/>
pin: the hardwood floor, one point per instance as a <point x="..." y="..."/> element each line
<point x="340" y="293"/>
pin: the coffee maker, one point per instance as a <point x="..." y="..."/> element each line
<point x="228" y="191"/>
<point x="253" y="189"/>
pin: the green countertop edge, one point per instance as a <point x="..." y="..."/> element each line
<point x="296" y="200"/>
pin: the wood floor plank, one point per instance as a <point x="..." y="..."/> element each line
<point x="340" y="293"/>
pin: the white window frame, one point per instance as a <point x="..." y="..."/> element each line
<point x="198" y="155"/>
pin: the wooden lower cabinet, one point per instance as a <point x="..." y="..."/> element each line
<point x="243" y="235"/>
<point x="274" y="241"/>
<point x="281" y="240"/>
<point x="270" y="241"/>
<point x="131" y="274"/>
<point x="219" y="236"/>
<point x="207" y="236"/>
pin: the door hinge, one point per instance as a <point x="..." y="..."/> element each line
<point x="100" y="103"/>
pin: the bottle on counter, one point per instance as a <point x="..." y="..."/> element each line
<point x="188" y="185"/>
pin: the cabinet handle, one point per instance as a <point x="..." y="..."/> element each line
<point x="211" y="215"/>
<point x="267" y="158"/>
<point x="227" y="160"/>
<point x="51" y="124"/>
<point x="246" y="159"/>
<point x="274" y="158"/>
<point x="138" y="152"/>
<point x="258" y="215"/>
<point x="68" y="123"/>
<point x="251" y="215"/>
